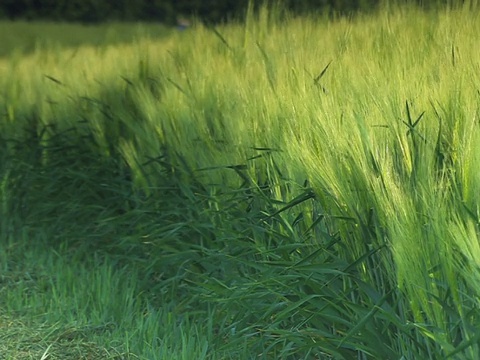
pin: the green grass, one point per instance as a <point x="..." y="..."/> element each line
<point x="288" y="188"/>
<point x="21" y="37"/>
<point x="57" y="307"/>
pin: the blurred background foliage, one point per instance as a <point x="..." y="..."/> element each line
<point x="168" y="11"/>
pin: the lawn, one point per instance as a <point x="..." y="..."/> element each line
<point x="284" y="188"/>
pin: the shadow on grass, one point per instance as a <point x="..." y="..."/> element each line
<point x="265" y="264"/>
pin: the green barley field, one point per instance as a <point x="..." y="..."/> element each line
<point x="284" y="188"/>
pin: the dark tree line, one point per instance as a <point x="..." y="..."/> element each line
<point x="123" y="10"/>
<point x="168" y="11"/>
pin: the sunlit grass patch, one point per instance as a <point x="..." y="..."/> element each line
<point x="21" y="37"/>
